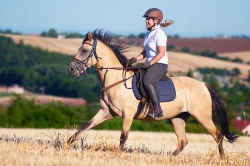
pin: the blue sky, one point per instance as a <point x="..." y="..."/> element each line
<point x="193" y="18"/>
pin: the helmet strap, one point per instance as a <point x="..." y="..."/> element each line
<point x="150" y="28"/>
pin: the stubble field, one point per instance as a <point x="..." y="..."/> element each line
<point x="45" y="147"/>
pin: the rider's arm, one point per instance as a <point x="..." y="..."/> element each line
<point x="141" y="56"/>
<point x="161" y="53"/>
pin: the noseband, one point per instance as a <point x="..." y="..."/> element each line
<point x="84" y="62"/>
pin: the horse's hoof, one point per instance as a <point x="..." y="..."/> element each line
<point x="65" y="145"/>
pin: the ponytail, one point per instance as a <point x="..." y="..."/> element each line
<point x="166" y="23"/>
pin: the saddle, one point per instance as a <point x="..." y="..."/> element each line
<point x="165" y="87"/>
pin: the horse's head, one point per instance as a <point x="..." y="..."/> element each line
<point x="84" y="57"/>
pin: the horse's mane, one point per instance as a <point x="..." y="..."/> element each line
<point x="118" y="47"/>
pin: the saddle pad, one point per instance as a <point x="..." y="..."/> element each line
<point x="166" y="89"/>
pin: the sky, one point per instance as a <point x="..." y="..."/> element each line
<point x="193" y="18"/>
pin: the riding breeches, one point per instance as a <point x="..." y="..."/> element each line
<point x="154" y="73"/>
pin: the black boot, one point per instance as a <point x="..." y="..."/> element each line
<point x="154" y="98"/>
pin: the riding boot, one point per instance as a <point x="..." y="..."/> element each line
<point x="154" y="98"/>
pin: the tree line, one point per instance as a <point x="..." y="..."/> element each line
<point x="33" y="68"/>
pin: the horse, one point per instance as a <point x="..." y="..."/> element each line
<point x="193" y="97"/>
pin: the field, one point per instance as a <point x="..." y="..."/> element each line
<point x="178" y="62"/>
<point x="44" y="147"/>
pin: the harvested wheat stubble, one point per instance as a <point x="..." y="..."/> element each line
<point x="45" y="147"/>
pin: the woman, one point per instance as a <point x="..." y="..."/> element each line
<point x="157" y="60"/>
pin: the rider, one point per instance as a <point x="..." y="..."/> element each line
<point x="156" y="56"/>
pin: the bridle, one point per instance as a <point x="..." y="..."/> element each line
<point x="83" y="63"/>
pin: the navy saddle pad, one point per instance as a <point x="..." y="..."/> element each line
<point x="166" y="89"/>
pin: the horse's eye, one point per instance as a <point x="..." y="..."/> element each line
<point x="84" y="50"/>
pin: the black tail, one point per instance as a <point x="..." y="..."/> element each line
<point x="220" y="107"/>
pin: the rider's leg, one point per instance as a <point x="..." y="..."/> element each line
<point x="151" y="78"/>
<point x="154" y="98"/>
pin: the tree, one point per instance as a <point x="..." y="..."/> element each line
<point x="141" y="35"/>
<point x="9" y="31"/>
<point x="213" y="81"/>
<point x="248" y="78"/>
<point x="44" y="33"/>
<point x="176" y="36"/>
<point x="131" y="36"/>
<point x="190" y="73"/>
<point x="206" y="53"/>
<point x="237" y="60"/>
<point x="213" y="55"/>
<point x="205" y="78"/>
<point x="52" y="33"/>
<point x="170" y="47"/>
<point x="185" y="49"/>
<point x="235" y="71"/>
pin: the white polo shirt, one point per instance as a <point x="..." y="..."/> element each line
<point x="153" y="39"/>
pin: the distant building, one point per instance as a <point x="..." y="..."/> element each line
<point x="15" y="89"/>
<point x="242" y="125"/>
<point x="247" y="130"/>
<point x="61" y="36"/>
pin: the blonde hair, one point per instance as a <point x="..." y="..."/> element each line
<point x="166" y="23"/>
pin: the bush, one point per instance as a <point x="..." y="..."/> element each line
<point x="235" y="71"/>
<point x="25" y="113"/>
<point x="185" y="49"/>
<point x="170" y="47"/>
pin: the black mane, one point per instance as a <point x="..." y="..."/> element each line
<point x="118" y="48"/>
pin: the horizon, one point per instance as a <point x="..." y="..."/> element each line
<point x="192" y="19"/>
<point x="26" y="31"/>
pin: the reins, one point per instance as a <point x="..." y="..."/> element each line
<point x="124" y="79"/>
<point x="93" y="52"/>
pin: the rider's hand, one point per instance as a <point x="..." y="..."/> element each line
<point x="145" y="65"/>
<point x="131" y="61"/>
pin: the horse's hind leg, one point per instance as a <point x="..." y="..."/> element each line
<point x="206" y="121"/>
<point x="179" y="123"/>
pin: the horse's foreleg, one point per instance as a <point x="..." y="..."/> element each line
<point x="101" y="116"/>
<point x="127" y="122"/>
<point x="179" y="123"/>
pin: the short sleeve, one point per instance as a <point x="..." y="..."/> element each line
<point x="161" y="39"/>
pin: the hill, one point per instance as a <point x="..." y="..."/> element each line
<point x="219" y="45"/>
<point x="177" y="61"/>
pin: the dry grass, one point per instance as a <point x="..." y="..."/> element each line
<point x="244" y="55"/>
<point x="45" y="147"/>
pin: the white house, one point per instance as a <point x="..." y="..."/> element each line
<point x="246" y="130"/>
<point x="15" y="89"/>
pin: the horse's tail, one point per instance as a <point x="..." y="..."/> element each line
<point x="220" y="107"/>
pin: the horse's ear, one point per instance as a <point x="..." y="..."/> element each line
<point x="89" y="36"/>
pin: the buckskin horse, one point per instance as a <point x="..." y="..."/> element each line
<point x="193" y="97"/>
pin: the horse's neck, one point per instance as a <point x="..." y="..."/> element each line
<point x="108" y="60"/>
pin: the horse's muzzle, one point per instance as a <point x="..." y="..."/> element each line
<point x="73" y="71"/>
